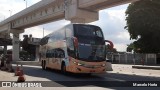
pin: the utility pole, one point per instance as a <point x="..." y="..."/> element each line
<point x="26" y="3"/>
<point x="10" y="12"/>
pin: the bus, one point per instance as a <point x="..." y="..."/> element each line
<point x="75" y="48"/>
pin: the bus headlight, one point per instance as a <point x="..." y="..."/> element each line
<point x="79" y="64"/>
<point x="103" y="65"/>
<point x="75" y="62"/>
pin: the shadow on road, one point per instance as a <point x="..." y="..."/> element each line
<point x="74" y="80"/>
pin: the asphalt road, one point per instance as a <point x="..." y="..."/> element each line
<point x="110" y="80"/>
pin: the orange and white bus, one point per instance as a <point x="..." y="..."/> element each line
<point x="76" y="48"/>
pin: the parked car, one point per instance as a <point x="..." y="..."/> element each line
<point x="109" y="65"/>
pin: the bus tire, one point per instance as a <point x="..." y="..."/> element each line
<point x="45" y="68"/>
<point x="63" y="68"/>
<point x="42" y="64"/>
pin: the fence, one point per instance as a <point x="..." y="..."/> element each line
<point x="128" y="58"/>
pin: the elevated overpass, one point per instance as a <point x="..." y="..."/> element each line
<point x="45" y="11"/>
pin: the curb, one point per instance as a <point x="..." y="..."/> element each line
<point x="32" y="63"/>
<point x="146" y="67"/>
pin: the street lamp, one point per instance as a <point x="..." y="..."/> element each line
<point x="26" y="3"/>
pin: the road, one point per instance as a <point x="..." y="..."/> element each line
<point x="120" y="74"/>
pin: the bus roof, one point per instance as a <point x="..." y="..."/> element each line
<point x="68" y="25"/>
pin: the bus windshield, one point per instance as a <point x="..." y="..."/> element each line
<point x="92" y="52"/>
<point x="91" y="43"/>
<point x="88" y="30"/>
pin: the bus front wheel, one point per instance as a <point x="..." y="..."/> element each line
<point x="43" y="65"/>
<point x="63" y="68"/>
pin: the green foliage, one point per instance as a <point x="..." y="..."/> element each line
<point x="130" y="47"/>
<point x="143" y="24"/>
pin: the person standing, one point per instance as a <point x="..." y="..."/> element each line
<point x="2" y="61"/>
<point x="8" y="62"/>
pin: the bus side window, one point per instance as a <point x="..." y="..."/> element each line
<point x="69" y="35"/>
<point x="48" y="54"/>
<point x="62" y="33"/>
<point x="98" y="33"/>
<point x="61" y="55"/>
<point x="44" y="41"/>
<point x="69" y="32"/>
<point x="55" y="54"/>
<point x="69" y="42"/>
<point x="52" y="53"/>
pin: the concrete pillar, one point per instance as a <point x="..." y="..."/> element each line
<point x="37" y="53"/>
<point x="5" y="49"/>
<point x="15" y="49"/>
<point x="77" y="15"/>
<point x="16" y="42"/>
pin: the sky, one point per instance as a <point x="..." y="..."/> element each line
<point x="112" y="22"/>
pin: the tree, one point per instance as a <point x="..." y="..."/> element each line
<point x="130" y="47"/>
<point x="143" y="25"/>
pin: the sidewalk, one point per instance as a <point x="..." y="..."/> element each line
<point x="32" y="63"/>
<point x="146" y="67"/>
